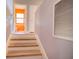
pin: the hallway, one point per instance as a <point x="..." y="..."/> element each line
<point x="21" y="37"/>
<point x="39" y="29"/>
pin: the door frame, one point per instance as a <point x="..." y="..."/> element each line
<point x="20" y="6"/>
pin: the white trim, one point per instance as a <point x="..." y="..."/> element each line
<point x="54" y="16"/>
<point x="41" y="47"/>
<point x="53" y="20"/>
<point x="61" y="37"/>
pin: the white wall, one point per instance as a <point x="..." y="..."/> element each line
<point x="7" y="22"/>
<point x="9" y="18"/>
<point x="44" y="28"/>
<point x="32" y="10"/>
<point x="10" y="5"/>
<point x="7" y="28"/>
<point x="31" y="18"/>
<point x="55" y="48"/>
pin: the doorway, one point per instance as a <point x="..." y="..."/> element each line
<point x="20" y="19"/>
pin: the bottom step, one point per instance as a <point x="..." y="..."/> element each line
<point x="28" y="57"/>
<point x="24" y="53"/>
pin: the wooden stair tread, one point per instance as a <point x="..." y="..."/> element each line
<point x="23" y="53"/>
<point x="30" y="36"/>
<point x="22" y="44"/>
<point x="25" y="38"/>
<point x="24" y="48"/>
<point x="23" y="41"/>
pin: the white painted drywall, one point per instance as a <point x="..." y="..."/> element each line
<point x="32" y="10"/>
<point x="7" y="22"/>
<point x="9" y="18"/>
<point x="55" y="48"/>
<point x="10" y="5"/>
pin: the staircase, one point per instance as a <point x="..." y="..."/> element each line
<point x="23" y="47"/>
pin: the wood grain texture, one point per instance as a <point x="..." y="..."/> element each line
<point x="23" y="47"/>
<point x="23" y="53"/>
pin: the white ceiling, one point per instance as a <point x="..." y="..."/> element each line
<point x="31" y="2"/>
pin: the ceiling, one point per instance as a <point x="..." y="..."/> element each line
<point x="30" y="2"/>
